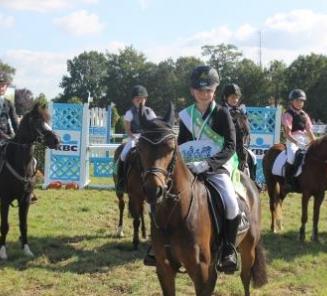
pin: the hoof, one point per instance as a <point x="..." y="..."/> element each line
<point x="120" y="232"/>
<point x="27" y="251"/>
<point x="3" y="253"/>
<point x="302" y="235"/>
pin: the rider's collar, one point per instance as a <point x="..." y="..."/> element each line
<point x="296" y="110"/>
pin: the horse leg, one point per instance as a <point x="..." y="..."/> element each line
<point x="318" y="199"/>
<point x="207" y="284"/>
<point x="279" y="213"/>
<point x="201" y="268"/>
<point x="166" y="275"/>
<point x="247" y="250"/>
<point x="4" y="229"/>
<point x="304" y="218"/>
<point x="135" y="213"/>
<point x="274" y="197"/>
<point x="121" y="203"/>
<point x="23" y="206"/>
<point x="142" y="222"/>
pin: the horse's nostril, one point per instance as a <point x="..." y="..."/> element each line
<point x="153" y="193"/>
<point x="159" y="191"/>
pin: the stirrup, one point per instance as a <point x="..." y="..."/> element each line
<point x="230" y="269"/>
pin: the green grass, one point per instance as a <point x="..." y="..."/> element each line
<point x="76" y="253"/>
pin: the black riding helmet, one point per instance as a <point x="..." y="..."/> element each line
<point x="231" y="89"/>
<point x="297" y="94"/>
<point x="5" y="77"/>
<point x="204" y="77"/>
<point x="139" y="91"/>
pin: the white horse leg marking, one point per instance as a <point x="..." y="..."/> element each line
<point x="3" y="253"/>
<point x="27" y="251"/>
<point x="120" y="232"/>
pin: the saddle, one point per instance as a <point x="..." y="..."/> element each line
<point x="124" y="168"/>
<point x="278" y="168"/>
<point x="217" y="210"/>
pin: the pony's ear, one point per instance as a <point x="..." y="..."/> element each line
<point x="142" y="117"/>
<point x="40" y="105"/>
<point x="170" y="117"/>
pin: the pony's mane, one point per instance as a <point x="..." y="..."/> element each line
<point x="317" y="143"/>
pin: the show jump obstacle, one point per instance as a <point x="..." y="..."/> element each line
<point x="86" y="139"/>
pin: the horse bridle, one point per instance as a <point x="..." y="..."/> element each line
<point x="167" y="183"/>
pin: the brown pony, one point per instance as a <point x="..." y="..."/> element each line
<point x="182" y="228"/>
<point x="312" y="181"/>
<point x="135" y="195"/>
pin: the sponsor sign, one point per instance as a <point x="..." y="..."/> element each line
<point x="69" y="143"/>
<point x="261" y="143"/>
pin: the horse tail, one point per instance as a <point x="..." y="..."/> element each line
<point x="259" y="272"/>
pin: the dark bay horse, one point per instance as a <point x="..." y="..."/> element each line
<point x="242" y="128"/>
<point x="17" y="170"/>
<point x="312" y="182"/>
<point x="135" y="194"/>
<point x="182" y="228"/>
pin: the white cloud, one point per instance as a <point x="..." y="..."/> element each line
<point x="144" y="4"/>
<point x="43" y="5"/>
<point x="37" y="71"/>
<point x="296" y="21"/>
<point x="6" y="21"/>
<point x="284" y="37"/>
<point x="80" y="23"/>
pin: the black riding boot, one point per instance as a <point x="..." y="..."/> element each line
<point x="120" y="186"/>
<point x="289" y="177"/>
<point x="229" y="257"/>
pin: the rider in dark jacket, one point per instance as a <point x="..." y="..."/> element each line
<point x="230" y="99"/>
<point x="8" y="116"/>
<point x="207" y="121"/>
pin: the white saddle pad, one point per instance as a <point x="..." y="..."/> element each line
<point x="279" y="165"/>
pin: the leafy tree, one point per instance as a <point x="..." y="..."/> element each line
<point x="276" y="75"/>
<point x="86" y="77"/>
<point x="252" y="82"/>
<point x="7" y="68"/>
<point x="224" y="58"/>
<point x="161" y="85"/>
<point x="124" y="70"/>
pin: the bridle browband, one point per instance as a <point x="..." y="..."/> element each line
<point x="171" y="167"/>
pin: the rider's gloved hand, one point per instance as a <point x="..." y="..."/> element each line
<point x="198" y="167"/>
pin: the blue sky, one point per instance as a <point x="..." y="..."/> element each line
<point x="42" y="34"/>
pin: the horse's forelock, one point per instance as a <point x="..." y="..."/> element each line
<point x="157" y="130"/>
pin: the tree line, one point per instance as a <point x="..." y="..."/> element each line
<point x="108" y="78"/>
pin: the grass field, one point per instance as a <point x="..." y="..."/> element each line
<point x="76" y="253"/>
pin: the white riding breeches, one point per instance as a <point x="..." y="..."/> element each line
<point x="129" y="145"/>
<point x="225" y="187"/>
<point x="291" y="148"/>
